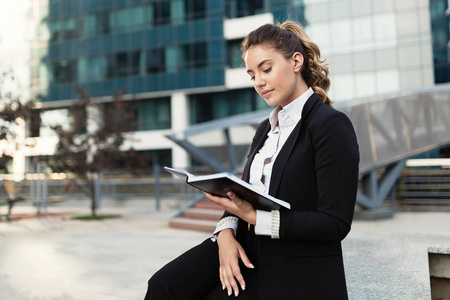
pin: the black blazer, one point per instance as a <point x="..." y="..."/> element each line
<point x="316" y="171"/>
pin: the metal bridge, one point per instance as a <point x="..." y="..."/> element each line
<point x="390" y="128"/>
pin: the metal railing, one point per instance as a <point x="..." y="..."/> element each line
<point x="394" y="127"/>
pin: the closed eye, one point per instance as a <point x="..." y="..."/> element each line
<point x="267" y="70"/>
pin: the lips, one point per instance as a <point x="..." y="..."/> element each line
<point x="266" y="93"/>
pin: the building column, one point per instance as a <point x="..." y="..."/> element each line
<point x="18" y="154"/>
<point x="180" y="121"/>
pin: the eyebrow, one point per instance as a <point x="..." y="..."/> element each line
<point x="259" y="65"/>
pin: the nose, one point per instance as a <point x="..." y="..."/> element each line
<point x="259" y="81"/>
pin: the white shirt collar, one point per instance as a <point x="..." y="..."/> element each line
<point x="291" y="113"/>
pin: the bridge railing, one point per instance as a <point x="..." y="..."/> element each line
<point x="396" y="127"/>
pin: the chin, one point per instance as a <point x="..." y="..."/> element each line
<point x="271" y="103"/>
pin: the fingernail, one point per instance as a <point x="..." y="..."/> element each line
<point x="230" y="194"/>
<point x="223" y="288"/>
<point x="252" y="266"/>
<point x="243" y="287"/>
<point x="236" y="293"/>
<point x="229" y="293"/>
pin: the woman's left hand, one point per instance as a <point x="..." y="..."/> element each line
<point x="235" y="205"/>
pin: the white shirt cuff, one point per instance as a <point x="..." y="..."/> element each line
<point x="268" y="223"/>
<point x="225" y="223"/>
<point x="263" y="222"/>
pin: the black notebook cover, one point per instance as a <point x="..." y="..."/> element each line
<point x="221" y="183"/>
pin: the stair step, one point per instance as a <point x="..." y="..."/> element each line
<point x="204" y="214"/>
<point x="432" y="172"/>
<point x="425" y="179"/>
<point x="424" y="201"/>
<point x="439" y="194"/>
<point x="194" y="224"/>
<point x="425" y="208"/>
<point x="425" y="186"/>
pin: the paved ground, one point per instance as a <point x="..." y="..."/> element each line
<point x="59" y="258"/>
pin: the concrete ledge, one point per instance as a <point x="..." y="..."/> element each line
<point x="439" y="262"/>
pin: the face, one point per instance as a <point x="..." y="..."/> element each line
<point x="276" y="79"/>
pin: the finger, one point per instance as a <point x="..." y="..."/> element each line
<point x="245" y="259"/>
<point x="240" y="279"/>
<point x="222" y="280"/>
<point x="218" y="200"/>
<point x="233" y="197"/>
<point x="233" y="272"/>
<point x="237" y="276"/>
<point x="226" y="285"/>
<point x="229" y="282"/>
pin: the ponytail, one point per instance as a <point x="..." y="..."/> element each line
<point x="288" y="38"/>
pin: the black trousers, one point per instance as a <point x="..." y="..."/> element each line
<point x="194" y="275"/>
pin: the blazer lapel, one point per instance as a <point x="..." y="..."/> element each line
<point x="288" y="146"/>
<point x="260" y="138"/>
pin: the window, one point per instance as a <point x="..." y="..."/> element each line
<point x="149" y="15"/>
<point x="177" y="12"/>
<point x="176" y="58"/>
<point x="206" y="107"/>
<point x="154" y="114"/>
<point x="440" y="38"/>
<point x="71" y="29"/>
<point x="64" y="71"/>
<point x="126" y="19"/>
<point x="54" y="28"/>
<point x="185" y="57"/>
<point x="59" y="30"/>
<point x="123" y="64"/>
<point x="242" y="8"/>
<point x="161" y="13"/>
<point x="195" y="9"/>
<point x="91" y="69"/>
<point x="199" y="55"/>
<point x="155" y="61"/>
<point x="103" y="22"/>
<point x="89" y="25"/>
<point x="234" y="59"/>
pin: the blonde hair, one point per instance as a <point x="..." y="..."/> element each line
<point x="287" y="38"/>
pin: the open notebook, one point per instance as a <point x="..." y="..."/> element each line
<point x="220" y="183"/>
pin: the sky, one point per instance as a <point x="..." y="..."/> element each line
<point x="16" y="33"/>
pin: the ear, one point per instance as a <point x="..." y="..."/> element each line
<point x="298" y="60"/>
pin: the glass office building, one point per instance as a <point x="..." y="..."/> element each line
<point x="171" y="55"/>
<point x="181" y="58"/>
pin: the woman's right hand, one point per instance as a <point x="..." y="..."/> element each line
<point x="230" y="251"/>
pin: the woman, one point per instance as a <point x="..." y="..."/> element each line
<point x="305" y="153"/>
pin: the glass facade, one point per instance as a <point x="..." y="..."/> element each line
<point x="103" y="47"/>
<point x="138" y="45"/>
<point x="243" y="8"/>
<point x="440" y="37"/>
<point x="207" y="107"/>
